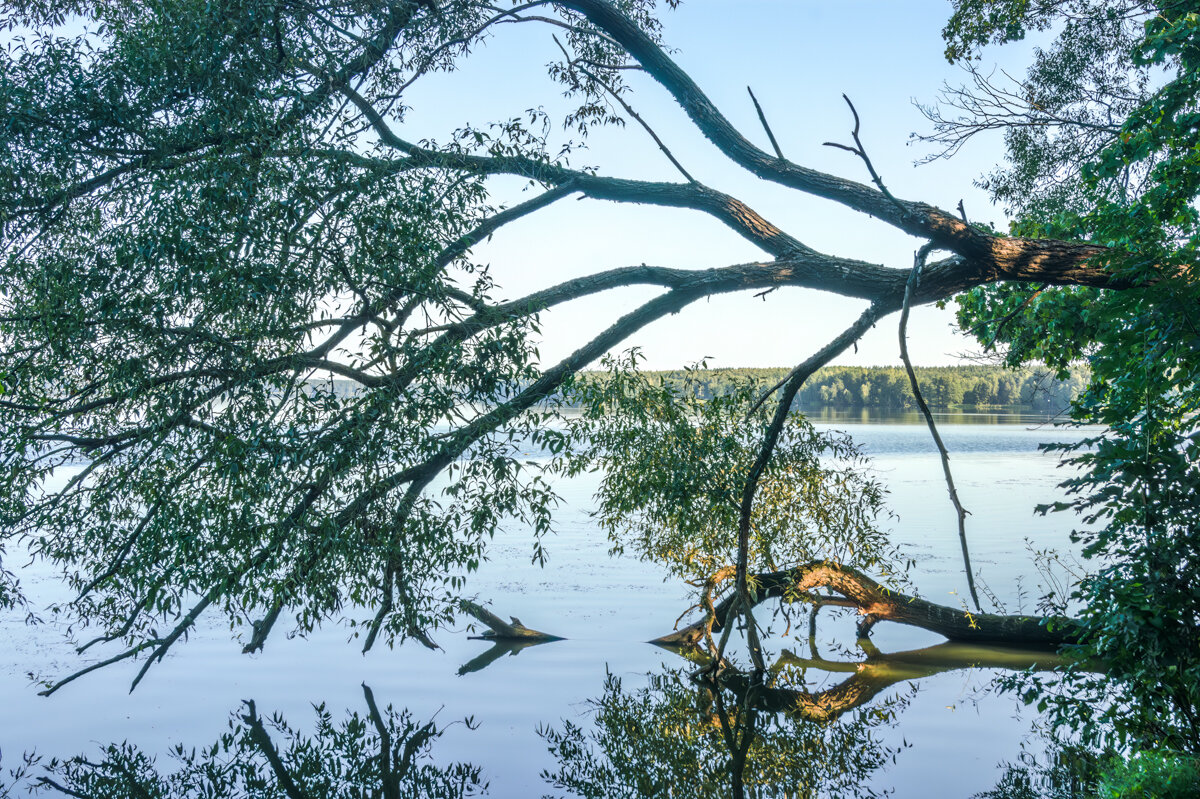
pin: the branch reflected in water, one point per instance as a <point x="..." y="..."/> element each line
<point x="722" y="732"/>
<point x="714" y="737"/>
<point x="499" y="649"/>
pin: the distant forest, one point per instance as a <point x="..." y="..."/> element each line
<point x="887" y="387"/>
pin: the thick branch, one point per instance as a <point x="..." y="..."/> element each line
<point x="920" y="220"/>
<point x="874" y="600"/>
<point x="1008" y="259"/>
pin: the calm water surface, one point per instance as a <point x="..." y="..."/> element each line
<point x="951" y="725"/>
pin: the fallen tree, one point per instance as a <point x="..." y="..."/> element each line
<point x="500" y="630"/>
<point x="877" y="603"/>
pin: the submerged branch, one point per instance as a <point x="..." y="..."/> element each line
<point x="502" y="630"/>
<point x="877" y="603"/>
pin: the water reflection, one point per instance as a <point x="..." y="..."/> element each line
<point x="1063" y="771"/>
<point x="499" y="649"/>
<point x="716" y="731"/>
<point x="681" y="735"/>
<point x="809" y="726"/>
<point x="384" y="754"/>
<point x="889" y="416"/>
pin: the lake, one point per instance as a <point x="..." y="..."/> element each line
<point x="948" y="727"/>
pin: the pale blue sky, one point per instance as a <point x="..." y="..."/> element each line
<point x="799" y="56"/>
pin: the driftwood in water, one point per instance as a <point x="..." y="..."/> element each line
<point x="877" y="603"/>
<point x="500" y="630"/>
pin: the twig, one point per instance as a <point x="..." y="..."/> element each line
<point x="861" y="152"/>
<point x="763" y="119"/>
<point x="914" y="278"/>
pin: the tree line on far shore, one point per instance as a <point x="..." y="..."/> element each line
<point x="887" y="387"/>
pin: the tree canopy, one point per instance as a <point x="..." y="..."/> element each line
<point x="211" y="211"/>
<point x="1102" y="139"/>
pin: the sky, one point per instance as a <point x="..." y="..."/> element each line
<point x="799" y="56"/>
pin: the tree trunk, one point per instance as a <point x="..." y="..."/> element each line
<point x="877" y="603"/>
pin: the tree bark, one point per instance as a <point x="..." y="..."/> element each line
<point x="501" y="630"/>
<point x="877" y="603"/>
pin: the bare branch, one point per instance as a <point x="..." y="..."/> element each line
<point x="859" y="150"/>
<point x="763" y="119"/>
<point x="913" y="280"/>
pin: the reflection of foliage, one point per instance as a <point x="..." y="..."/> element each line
<point x="676" y="466"/>
<point x="1070" y="771"/>
<point x="1064" y="771"/>
<point x="384" y="755"/>
<point x="677" y="733"/>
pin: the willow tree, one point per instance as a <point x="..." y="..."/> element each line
<point x="210" y="211"/>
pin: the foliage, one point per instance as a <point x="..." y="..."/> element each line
<point x="888" y="387"/>
<point x="1151" y="775"/>
<point x="209" y="211"/>
<point x="1070" y="102"/>
<point x="671" y="738"/>
<point x="197" y="233"/>
<point x="675" y="467"/>
<point x="1142" y="345"/>
<point x="384" y="754"/>
<point x="1064" y="771"/>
